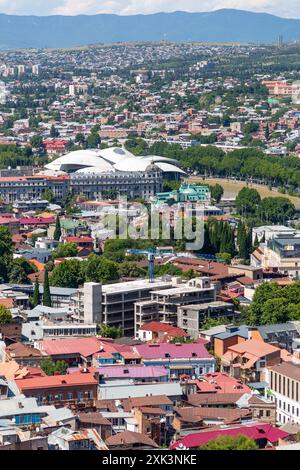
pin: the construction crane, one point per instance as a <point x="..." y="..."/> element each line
<point x="150" y="253"/>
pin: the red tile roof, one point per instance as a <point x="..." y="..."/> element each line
<point x="157" y="327"/>
<point x="83" y="346"/>
<point x="79" y="239"/>
<point x="55" y="381"/>
<point x="221" y="383"/>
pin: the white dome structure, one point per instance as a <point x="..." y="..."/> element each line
<point x="110" y="160"/>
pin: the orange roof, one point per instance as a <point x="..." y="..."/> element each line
<point x="54" y="381"/>
<point x="46" y="215"/>
<point x="40" y="266"/>
<point x="12" y="370"/>
<point x="253" y="347"/>
<point x="7" y="302"/>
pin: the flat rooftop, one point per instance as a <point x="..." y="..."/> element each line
<point x="215" y="304"/>
<point x="131" y="286"/>
<point x="182" y="290"/>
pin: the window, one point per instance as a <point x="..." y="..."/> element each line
<point x="292" y="383"/>
<point x="70" y="396"/>
<point x="268" y="413"/>
<point x="272" y="379"/>
<point x="279" y="383"/>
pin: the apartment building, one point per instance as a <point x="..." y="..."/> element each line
<point x="284" y="389"/>
<point x="19" y="188"/>
<point x="191" y="317"/>
<point x="179" y="359"/>
<point x="282" y="252"/>
<point x="61" y="389"/>
<point x="249" y="359"/>
<point x="113" y="304"/>
<point x="133" y="184"/>
<point x="164" y="304"/>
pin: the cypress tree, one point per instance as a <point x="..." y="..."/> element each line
<point x="245" y="245"/>
<point x="36" y="297"/>
<point x="57" y="231"/>
<point x="256" y="242"/>
<point x="242" y="241"/>
<point x="46" y="293"/>
<point x="267" y="132"/>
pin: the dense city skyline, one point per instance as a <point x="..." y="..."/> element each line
<point x="130" y="7"/>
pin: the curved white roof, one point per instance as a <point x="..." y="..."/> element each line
<point x="157" y="158"/>
<point x="115" y="154"/>
<point x="110" y="160"/>
<point x="168" y="168"/>
<point x="80" y="159"/>
<point x="133" y="164"/>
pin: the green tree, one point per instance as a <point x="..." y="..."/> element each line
<point x="48" y="195"/>
<point x="46" y="291"/>
<point x="6" y="251"/>
<point x="274" y="304"/>
<point x="275" y="209"/>
<point x="57" y="231"/>
<point x="274" y="311"/>
<point x="50" y="367"/>
<point x="36" y="141"/>
<point x="226" y="257"/>
<point x="79" y="138"/>
<point x="217" y="192"/>
<point x="69" y="273"/>
<point x="247" y="201"/>
<point x="267" y="132"/>
<point x="100" y="269"/>
<point x="65" y="250"/>
<point x="130" y="269"/>
<point x="19" y="270"/>
<point x="93" y="140"/>
<point x="244" y="241"/>
<point x="5" y="315"/>
<point x="53" y="132"/>
<point x="107" y="331"/>
<point x="17" y="275"/>
<point x="211" y="322"/>
<point x="230" y="443"/>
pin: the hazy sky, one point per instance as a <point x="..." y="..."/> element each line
<point x="286" y="8"/>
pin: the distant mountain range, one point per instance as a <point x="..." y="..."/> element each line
<point x="218" y="26"/>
